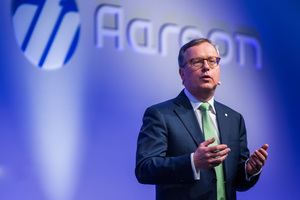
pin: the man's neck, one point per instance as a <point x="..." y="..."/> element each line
<point x="200" y="97"/>
<point x="204" y="96"/>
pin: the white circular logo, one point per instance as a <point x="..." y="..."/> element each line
<point x="46" y="30"/>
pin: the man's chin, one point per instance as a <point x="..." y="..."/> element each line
<point x="208" y="87"/>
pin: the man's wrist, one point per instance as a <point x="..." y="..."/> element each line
<point x="248" y="176"/>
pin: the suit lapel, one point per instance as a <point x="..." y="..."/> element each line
<point x="222" y="118"/>
<point x="185" y="112"/>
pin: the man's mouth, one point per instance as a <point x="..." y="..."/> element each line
<point x="205" y="77"/>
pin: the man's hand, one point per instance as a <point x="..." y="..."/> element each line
<point x="257" y="160"/>
<point x="208" y="157"/>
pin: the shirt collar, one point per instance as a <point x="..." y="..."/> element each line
<point x="196" y="102"/>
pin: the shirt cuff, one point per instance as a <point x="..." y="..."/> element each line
<point x="248" y="178"/>
<point x="195" y="172"/>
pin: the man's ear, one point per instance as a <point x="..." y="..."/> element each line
<point x="181" y="73"/>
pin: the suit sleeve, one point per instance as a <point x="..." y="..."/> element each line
<point x="242" y="183"/>
<point x="153" y="166"/>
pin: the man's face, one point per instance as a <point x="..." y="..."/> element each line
<point x="205" y="79"/>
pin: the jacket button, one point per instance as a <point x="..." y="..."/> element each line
<point x="214" y="180"/>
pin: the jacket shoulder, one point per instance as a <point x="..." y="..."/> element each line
<point x="180" y="101"/>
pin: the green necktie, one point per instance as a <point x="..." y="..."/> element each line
<point x="209" y="132"/>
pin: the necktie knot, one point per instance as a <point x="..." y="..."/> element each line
<point x="204" y="106"/>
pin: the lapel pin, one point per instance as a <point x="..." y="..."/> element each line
<point x="226" y="115"/>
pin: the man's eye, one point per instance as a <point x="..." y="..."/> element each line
<point x="212" y="61"/>
<point x="197" y="61"/>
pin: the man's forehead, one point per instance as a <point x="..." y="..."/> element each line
<point x="202" y="48"/>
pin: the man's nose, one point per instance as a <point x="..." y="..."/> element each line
<point x="205" y="65"/>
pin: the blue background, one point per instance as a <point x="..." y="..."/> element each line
<point x="71" y="133"/>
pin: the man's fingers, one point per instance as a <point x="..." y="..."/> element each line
<point x="213" y="148"/>
<point x="261" y="156"/>
<point x="257" y="160"/>
<point x="218" y="150"/>
<point x="253" y="164"/>
<point x="218" y="160"/>
<point x="207" y="142"/>
<point x="263" y="151"/>
<point x="265" y="146"/>
<point x="224" y="151"/>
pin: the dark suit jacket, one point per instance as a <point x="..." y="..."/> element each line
<point x="170" y="133"/>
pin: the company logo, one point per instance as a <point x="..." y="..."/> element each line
<point x="142" y="38"/>
<point x="46" y="30"/>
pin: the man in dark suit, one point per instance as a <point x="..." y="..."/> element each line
<point x="175" y="155"/>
